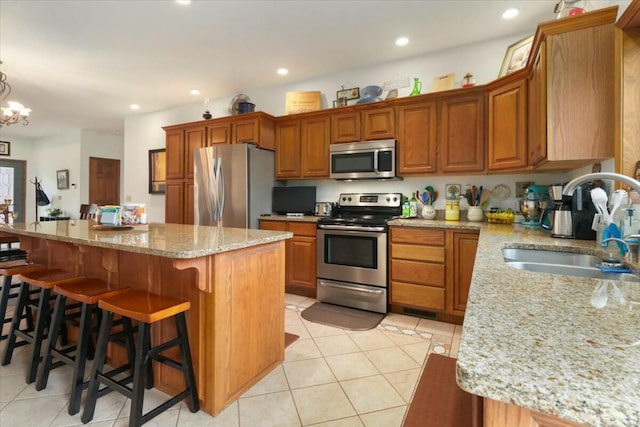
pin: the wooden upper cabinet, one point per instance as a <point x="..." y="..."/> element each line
<point x="378" y="123"/>
<point x="254" y="127"/>
<point x="537" y="108"/>
<point x="287" y="140"/>
<point x="314" y="146"/>
<point x="174" y="143"/>
<point x="507" y="129"/>
<point x="345" y="127"/>
<point x="462" y="133"/>
<point x="416" y="137"/>
<point x="195" y="138"/>
<point x="219" y="134"/>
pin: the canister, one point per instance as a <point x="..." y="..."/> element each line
<point x="452" y="210"/>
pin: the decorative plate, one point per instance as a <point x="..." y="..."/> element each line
<point x="233" y="105"/>
<point x="500" y="192"/>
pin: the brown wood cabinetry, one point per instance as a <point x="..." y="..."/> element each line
<point x="416" y="136"/>
<point x="462" y="135"/>
<point x="300" y="277"/>
<point x="302" y="147"/>
<point x="502" y="414"/>
<point x="573" y="84"/>
<point x="507" y="126"/>
<point x="183" y="139"/>
<point x="430" y="269"/>
<point x="363" y="124"/>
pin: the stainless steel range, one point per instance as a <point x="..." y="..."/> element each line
<point x="352" y="251"/>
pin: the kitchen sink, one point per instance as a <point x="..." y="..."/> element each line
<point x="566" y="263"/>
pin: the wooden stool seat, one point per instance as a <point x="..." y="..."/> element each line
<point x="45" y="280"/>
<point x="88" y="291"/>
<point x="48" y="278"/>
<point x="13" y="268"/>
<point x="144" y="306"/>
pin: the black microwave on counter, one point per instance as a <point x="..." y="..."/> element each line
<point x="363" y="160"/>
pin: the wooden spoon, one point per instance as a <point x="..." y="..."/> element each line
<point x="484" y="198"/>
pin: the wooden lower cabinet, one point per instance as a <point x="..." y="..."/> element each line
<point x="501" y="414"/>
<point x="300" y="255"/>
<point x="430" y="270"/>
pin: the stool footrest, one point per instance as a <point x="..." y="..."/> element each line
<point x="155" y="351"/>
<point x="164" y="406"/>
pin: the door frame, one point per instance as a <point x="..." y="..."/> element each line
<point x="24" y="186"/>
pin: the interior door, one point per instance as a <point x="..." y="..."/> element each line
<point x="13" y="184"/>
<point x="104" y="181"/>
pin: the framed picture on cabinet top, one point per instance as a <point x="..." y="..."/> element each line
<point x="516" y="56"/>
<point x="5" y="148"/>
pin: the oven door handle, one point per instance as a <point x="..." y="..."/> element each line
<point x="352" y="288"/>
<point x="350" y="228"/>
<point x="375" y="162"/>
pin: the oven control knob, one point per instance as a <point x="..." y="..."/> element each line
<point x="344" y="199"/>
<point x="349" y="199"/>
<point x="388" y="199"/>
<point x="395" y="199"/>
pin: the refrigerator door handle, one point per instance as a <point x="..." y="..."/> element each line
<point x="213" y="181"/>
<point x="221" y="191"/>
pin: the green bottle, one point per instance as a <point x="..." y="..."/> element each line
<point x="413" y="207"/>
<point x="417" y="87"/>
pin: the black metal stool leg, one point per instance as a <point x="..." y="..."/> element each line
<point x="38" y="335"/>
<point x="77" y="384"/>
<point x="187" y="365"/>
<point x="23" y="296"/>
<point x="149" y="382"/>
<point x="54" y="332"/>
<point x="4" y="301"/>
<point x="98" y="365"/>
<point x="137" y="398"/>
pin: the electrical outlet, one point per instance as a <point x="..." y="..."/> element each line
<point x="127" y="199"/>
<point x="59" y="198"/>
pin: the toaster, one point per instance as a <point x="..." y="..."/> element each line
<point x="324" y="209"/>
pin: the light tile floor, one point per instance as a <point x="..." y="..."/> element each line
<point x="330" y="377"/>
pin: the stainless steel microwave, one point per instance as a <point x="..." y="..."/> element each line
<point x="364" y="160"/>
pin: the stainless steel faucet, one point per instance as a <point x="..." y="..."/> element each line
<point x="573" y="184"/>
<point x="632" y="242"/>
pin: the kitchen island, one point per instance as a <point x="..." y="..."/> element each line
<point x="234" y="279"/>
<point x="533" y="345"/>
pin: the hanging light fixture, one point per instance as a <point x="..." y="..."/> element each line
<point x="13" y="112"/>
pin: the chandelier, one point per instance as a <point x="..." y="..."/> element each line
<point x="13" y="112"/>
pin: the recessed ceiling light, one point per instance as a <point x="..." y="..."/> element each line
<point x="134" y="106"/>
<point x="183" y="2"/>
<point x="402" y="41"/>
<point x="283" y="71"/>
<point x="195" y="92"/>
<point x="510" y="13"/>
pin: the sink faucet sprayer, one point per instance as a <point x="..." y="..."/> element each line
<point x="632" y="241"/>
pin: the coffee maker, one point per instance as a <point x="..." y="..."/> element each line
<point x="572" y="216"/>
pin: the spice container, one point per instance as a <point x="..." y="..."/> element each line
<point x="452" y="210"/>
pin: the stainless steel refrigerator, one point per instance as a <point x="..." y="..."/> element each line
<point x="233" y="184"/>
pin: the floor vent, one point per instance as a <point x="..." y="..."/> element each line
<point x="421" y="313"/>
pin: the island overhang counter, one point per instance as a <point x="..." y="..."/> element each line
<point x="233" y="278"/>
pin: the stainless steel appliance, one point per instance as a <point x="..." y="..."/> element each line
<point x="572" y="216"/>
<point x="364" y="160"/>
<point x="352" y="251"/>
<point x="323" y="209"/>
<point x="232" y="185"/>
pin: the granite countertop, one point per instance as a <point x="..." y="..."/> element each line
<point x="166" y="240"/>
<point x="535" y="340"/>
<point x="305" y="218"/>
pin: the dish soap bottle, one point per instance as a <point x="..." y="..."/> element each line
<point x="406" y="207"/>
<point x="413" y="207"/>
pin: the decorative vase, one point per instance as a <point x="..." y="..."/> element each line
<point x="428" y="212"/>
<point x="475" y="213"/>
<point x="417" y="87"/>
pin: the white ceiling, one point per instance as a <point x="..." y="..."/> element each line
<point x="80" y="64"/>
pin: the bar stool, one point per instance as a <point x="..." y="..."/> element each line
<point x="86" y="292"/>
<point x="8" y="269"/>
<point x="146" y="308"/>
<point x="45" y="280"/>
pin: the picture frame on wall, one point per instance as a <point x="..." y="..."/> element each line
<point x="157" y="171"/>
<point x="62" y="177"/>
<point x="516" y="56"/>
<point x="5" y="148"/>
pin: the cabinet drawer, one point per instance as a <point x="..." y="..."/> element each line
<point x="273" y="225"/>
<point x="423" y="236"/>
<point x="302" y="228"/>
<point x="421" y="273"/>
<point x="417" y="296"/>
<point x="417" y="252"/>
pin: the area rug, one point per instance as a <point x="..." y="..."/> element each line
<point x="342" y="317"/>
<point x="289" y="339"/>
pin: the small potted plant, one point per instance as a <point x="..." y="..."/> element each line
<point x="54" y="212"/>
